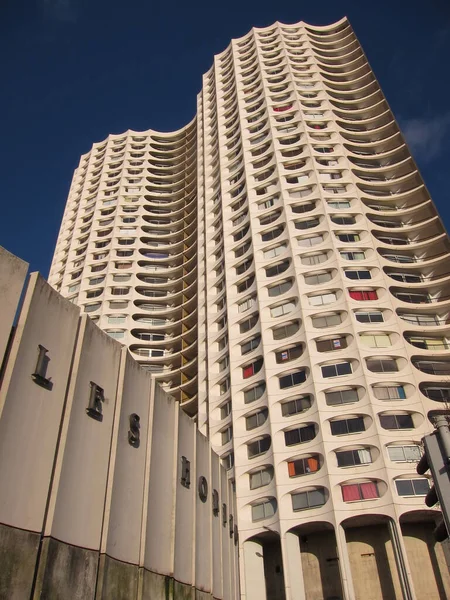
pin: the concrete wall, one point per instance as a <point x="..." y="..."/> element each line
<point x="84" y="513"/>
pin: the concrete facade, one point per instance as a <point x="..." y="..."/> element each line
<point x="280" y="267"/>
<point x="95" y="498"/>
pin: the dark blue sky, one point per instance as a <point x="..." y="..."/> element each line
<point x="74" y="71"/>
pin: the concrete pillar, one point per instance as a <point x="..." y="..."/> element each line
<point x="254" y="579"/>
<point x="401" y="559"/>
<point x="293" y="572"/>
<point x="344" y="564"/>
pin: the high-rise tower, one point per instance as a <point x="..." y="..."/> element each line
<point x="279" y="265"/>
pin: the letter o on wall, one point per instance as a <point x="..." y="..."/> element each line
<point x="202" y="488"/>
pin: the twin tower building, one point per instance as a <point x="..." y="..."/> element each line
<point x="280" y="269"/>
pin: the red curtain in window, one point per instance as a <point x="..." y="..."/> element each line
<point x="356" y="295"/>
<point x="369" y="490"/>
<point x="372" y="295"/>
<point x="350" y="493"/>
<point x="363" y="295"/>
<point x="247" y="371"/>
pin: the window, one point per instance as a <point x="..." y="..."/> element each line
<point x="374" y="316"/>
<point x="359" y="255"/>
<point x="273" y="252"/>
<point x="396" y="421"/>
<point x="118" y="291"/>
<point x="224" y="386"/>
<point x="303" y="466"/>
<point x="116" y="319"/>
<point x="248" y="324"/>
<point x="389" y="392"/>
<point x="411" y="453"/>
<point x="360" y="491"/>
<point x="277" y="269"/>
<point x="254" y="393"/>
<point x="412" y="487"/>
<point x="279" y="288"/>
<point x="363" y="295"/>
<point x="256" y="420"/>
<point x="310" y="499"/>
<point x="322" y="299"/>
<point x="353" y="458"/>
<point x="337" y="369"/>
<point x="295" y="407"/>
<point x="318" y="278"/>
<point x="260" y="478"/>
<point x="272" y="234"/>
<point x="250" y="345"/>
<point x="293" y="379"/>
<point x="282" y="309"/>
<point x="361" y="274"/>
<point x="346" y="426"/>
<point x="313" y="240"/>
<point x="284" y="331"/>
<point x="258" y="447"/>
<point x="263" y="510"/>
<point x="92" y="307"/>
<point x="320" y="322"/>
<point x="246" y="304"/>
<point x="252" y="369"/>
<point x="314" y="259"/>
<point x="337" y="397"/>
<point x="339" y="204"/>
<point x="223" y="364"/>
<point x="380" y="340"/>
<point x="227" y="435"/>
<point x="440" y="394"/>
<point x="331" y="344"/>
<point x="348" y="237"/>
<point x="299" y="435"/>
<point x="382" y="365"/>
<point x="308" y="224"/>
<point x="245" y="285"/>
<point x="116" y="334"/>
<point x="289" y="353"/>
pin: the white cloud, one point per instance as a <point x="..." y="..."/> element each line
<point x="425" y="136"/>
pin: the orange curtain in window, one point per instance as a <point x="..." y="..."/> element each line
<point x="313" y="464"/>
<point x="291" y="469"/>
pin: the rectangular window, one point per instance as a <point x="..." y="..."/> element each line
<point x="322" y="299"/>
<point x="369" y="317"/>
<point x="292" y="379"/>
<point x="321" y="322"/>
<point x="348" y="237"/>
<point x="313" y="240"/>
<point x="299" y="435"/>
<point x="314" y="259"/>
<point x="382" y="365"/>
<point x="258" y="447"/>
<point x="344" y="368"/>
<point x="283" y="309"/>
<point x="404" y="453"/>
<point x="318" y="278"/>
<point x="263" y="510"/>
<point x="246" y="304"/>
<point x="358" y="275"/>
<point x="375" y="341"/>
<point x="303" y="466"/>
<point x="363" y="295"/>
<point x="310" y="499"/>
<point x="412" y="487"/>
<point x="331" y="344"/>
<point x="360" y="491"/>
<point x="341" y="397"/>
<point x="353" y="255"/>
<point x="294" y="407"/>
<point x="346" y="426"/>
<point x="260" y="478"/>
<point x="352" y="458"/>
<point x="389" y="392"/>
<point x="227" y="435"/>
<point x="396" y="422"/>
